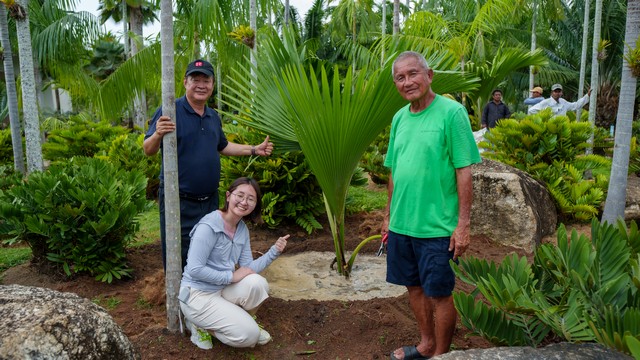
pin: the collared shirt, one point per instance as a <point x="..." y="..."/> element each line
<point x="559" y="107"/>
<point x="200" y="139"/>
<point x="493" y="112"/>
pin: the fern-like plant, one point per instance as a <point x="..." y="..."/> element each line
<point x="77" y="216"/>
<point x="578" y="290"/>
<point x="290" y="192"/>
<point x="124" y="151"/>
<point x="80" y="138"/>
<point x="551" y="149"/>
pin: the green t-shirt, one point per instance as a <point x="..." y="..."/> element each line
<point x="424" y="151"/>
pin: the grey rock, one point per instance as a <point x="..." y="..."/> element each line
<point x="510" y="207"/>
<point x="39" y="323"/>
<point x="632" y="206"/>
<point x="559" y="351"/>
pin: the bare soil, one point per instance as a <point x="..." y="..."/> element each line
<point x="301" y="329"/>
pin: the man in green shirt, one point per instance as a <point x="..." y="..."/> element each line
<point x="430" y="191"/>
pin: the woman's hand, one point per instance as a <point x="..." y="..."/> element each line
<point x="241" y="273"/>
<point x="281" y="243"/>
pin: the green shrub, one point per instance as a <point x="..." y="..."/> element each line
<point x="551" y="149"/>
<point x="126" y="152"/>
<point x="6" y="151"/>
<point x="289" y="190"/>
<point x="373" y="159"/>
<point x="580" y="290"/>
<point x="81" y="138"/>
<point x="9" y="177"/>
<point x="77" y="216"/>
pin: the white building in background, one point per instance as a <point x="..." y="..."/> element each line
<point x="52" y="100"/>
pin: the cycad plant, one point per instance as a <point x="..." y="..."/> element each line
<point x="550" y="149"/>
<point x="578" y="290"/>
<point x="331" y="118"/>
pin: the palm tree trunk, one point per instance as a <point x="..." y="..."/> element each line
<point x="286" y="13"/>
<point x="253" y="12"/>
<point x="595" y="64"/>
<point x="125" y="29"/>
<point x="534" y="23"/>
<point x="615" y="204"/>
<point x="583" y="57"/>
<point x="396" y="17"/>
<point x="170" y="164"/>
<point x="29" y="98"/>
<point x="140" y="101"/>
<point x="12" y="94"/>
<point x="354" y="20"/>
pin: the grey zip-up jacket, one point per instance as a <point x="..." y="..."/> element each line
<point x="213" y="255"/>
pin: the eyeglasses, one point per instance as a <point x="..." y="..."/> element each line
<point x="240" y="197"/>
<point x="557" y="90"/>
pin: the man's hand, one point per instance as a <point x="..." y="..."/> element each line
<point x="460" y="240"/>
<point x="384" y="228"/>
<point x="265" y="148"/>
<point x="164" y="126"/>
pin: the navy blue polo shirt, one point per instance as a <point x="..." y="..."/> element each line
<point x="200" y="139"/>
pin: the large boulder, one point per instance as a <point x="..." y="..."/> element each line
<point x="632" y="206"/>
<point x="39" y="323"/>
<point x="588" y="351"/>
<point x="510" y="207"/>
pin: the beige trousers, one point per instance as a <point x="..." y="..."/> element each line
<point x="225" y="313"/>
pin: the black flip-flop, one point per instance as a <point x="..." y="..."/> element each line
<point x="410" y="353"/>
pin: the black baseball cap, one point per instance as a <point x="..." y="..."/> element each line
<point x="201" y="66"/>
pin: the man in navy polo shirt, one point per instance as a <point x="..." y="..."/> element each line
<point x="200" y="143"/>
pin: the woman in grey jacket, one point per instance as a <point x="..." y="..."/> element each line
<point x="221" y="288"/>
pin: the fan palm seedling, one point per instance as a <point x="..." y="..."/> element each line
<point x="331" y="118"/>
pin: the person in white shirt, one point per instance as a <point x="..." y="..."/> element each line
<point x="558" y="105"/>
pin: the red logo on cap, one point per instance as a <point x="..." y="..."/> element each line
<point x="198" y="63"/>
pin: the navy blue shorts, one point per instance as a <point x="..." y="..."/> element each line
<point x="421" y="262"/>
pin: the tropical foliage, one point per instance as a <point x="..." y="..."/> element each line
<point x="124" y="152"/>
<point x="550" y="148"/>
<point x="80" y="137"/>
<point x="77" y="217"/>
<point x="579" y="290"/>
<point x="290" y="191"/>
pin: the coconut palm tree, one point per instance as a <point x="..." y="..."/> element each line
<point x="583" y="56"/>
<point x="615" y="203"/>
<point x="472" y="44"/>
<point x="355" y="21"/>
<point x="396" y="17"/>
<point x="173" y="271"/>
<point x="135" y="13"/>
<point x="332" y="119"/>
<point x="12" y="95"/>
<point x="551" y="11"/>
<point x="19" y="12"/>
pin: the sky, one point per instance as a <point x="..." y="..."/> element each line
<point x="92" y="6"/>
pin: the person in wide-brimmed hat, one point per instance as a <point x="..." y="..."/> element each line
<point x="536" y="96"/>
<point x="558" y="105"/>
